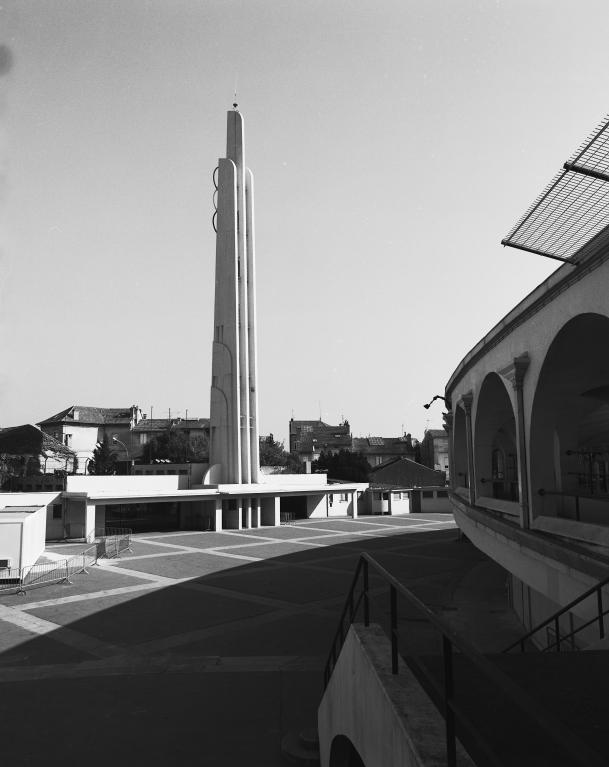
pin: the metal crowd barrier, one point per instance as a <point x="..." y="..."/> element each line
<point x="108" y="544"/>
<point x="112" y="542"/>
<point x="47" y="573"/>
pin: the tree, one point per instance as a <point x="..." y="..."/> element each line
<point x="10" y="466"/>
<point x="273" y="453"/>
<point x="104" y="458"/>
<point x="346" y="465"/>
<point x="174" y="445"/>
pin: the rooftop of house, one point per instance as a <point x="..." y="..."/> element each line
<point x="436" y="433"/>
<point x="405" y="463"/>
<point x="160" y="424"/>
<point x="389" y="445"/>
<point x="97" y="416"/>
<point x="310" y="442"/>
<point x="28" y="439"/>
<point x="319" y="426"/>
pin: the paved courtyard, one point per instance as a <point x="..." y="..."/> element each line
<point x="201" y="647"/>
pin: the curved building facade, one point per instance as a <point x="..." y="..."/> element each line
<point x="529" y="437"/>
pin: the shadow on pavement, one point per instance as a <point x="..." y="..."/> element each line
<point x="214" y="669"/>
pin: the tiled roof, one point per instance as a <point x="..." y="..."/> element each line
<point x="317" y="435"/>
<point x="30" y="440"/>
<point x="320" y="442"/>
<point x="91" y="415"/>
<point x="403" y="472"/>
<point x="319" y="426"/>
<point x="160" y="424"/>
<point x="380" y="445"/>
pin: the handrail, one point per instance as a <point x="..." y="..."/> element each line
<point x="577" y="750"/>
<point x="590" y="496"/>
<point x="555" y="619"/>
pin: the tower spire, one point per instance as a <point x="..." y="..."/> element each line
<point x="234" y="399"/>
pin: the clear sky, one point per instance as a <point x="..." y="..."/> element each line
<point x="393" y="144"/>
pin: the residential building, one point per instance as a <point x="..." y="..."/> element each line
<point x="434" y="450"/>
<point x="81" y="427"/>
<point x="379" y="450"/>
<point x="32" y="460"/>
<point x="310" y="438"/>
<point x="392" y="488"/>
<point x="196" y="430"/>
<point x="403" y="472"/>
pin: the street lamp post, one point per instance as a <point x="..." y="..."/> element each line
<point x="117" y="441"/>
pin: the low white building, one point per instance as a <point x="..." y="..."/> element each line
<point x="24" y="521"/>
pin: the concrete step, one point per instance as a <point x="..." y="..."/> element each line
<point x="301" y="748"/>
<point x="600" y="644"/>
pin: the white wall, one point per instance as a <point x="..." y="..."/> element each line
<point x="193" y="476"/>
<point x="10" y="542"/>
<point x="33" y="536"/>
<point x="22" y="536"/>
<point x="45" y="499"/>
<point x="316" y="506"/>
<point x="303" y="480"/>
<point x="338" y="507"/>
<point x="378" y="505"/>
<point x="124" y="484"/>
<point x="28" y="499"/>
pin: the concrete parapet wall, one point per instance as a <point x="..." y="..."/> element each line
<point x="123" y="484"/>
<point x="301" y="480"/>
<point x="546" y="564"/>
<point x="388" y="719"/>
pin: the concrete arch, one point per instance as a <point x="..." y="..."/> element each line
<point x="344" y="754"/>
<point x="495" y="441"/>
<point x="569" y="432"/>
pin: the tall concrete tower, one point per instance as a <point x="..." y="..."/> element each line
<point x="234" y="449"/>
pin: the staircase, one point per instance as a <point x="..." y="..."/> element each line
<point x="553" y="701"/>
<point x="558" y="639"/>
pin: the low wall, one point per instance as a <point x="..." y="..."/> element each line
<point x="302" y="480"/>
<point x="389" y="720"/>
<point x="555" y="569"/>
<point x="124" y="483"/>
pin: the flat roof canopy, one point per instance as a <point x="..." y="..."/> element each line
<point x="210" y="493"/>
<point x="573" y="209"/>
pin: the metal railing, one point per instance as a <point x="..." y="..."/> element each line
<point x="441" y="687"/>
<point x="47" y="573"/>
<point x="109" y="543"/>
<point x="560" y="641"/>
<point x="576" y="496"/>
<point x="112" y="541"/>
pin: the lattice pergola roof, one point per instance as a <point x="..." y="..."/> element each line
<point x="573" y="208"/>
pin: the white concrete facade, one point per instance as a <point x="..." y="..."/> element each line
<point x="24" y="519"/>
<point x="530" y="435"/>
